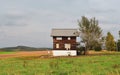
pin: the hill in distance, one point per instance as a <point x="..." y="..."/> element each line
<point x="23" y="48"/>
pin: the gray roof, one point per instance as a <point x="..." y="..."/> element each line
<point x="65" y="32"/>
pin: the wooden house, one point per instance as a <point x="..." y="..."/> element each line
<point x="64" y="39"/>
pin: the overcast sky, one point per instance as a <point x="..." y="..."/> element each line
<point x="29" y="22"/>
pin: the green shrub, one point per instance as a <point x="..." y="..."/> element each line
<point x="98" y="48"/>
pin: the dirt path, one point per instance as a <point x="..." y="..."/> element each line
<point x="46" y="53"/>
<point x="26" y="53"/>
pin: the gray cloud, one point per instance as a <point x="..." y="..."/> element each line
<point x="12" y="20"/>
<point x="30" y="22"/>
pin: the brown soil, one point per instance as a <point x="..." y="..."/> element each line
<point x="47" y="54"/>
<point x="26" y="53"/>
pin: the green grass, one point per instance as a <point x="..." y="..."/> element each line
<point x="83" y="65"/>
<point x="3" y="52"/>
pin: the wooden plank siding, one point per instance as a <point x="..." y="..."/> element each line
<point x="64" y="41"/>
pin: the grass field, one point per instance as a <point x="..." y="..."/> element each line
<point x="6" y="52"/>
<point x="82" y="65"/>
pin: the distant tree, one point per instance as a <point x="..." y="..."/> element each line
<point x="110" y="43"/>
<point x="118" y="42"/>
<point x="119" y="34"/>
<point x="103" y="39"/>
<point x="118" y="45"/>
<point x="97" y="46"/>
<point x="90" y="32"/>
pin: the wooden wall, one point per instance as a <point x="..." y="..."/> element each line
<point x="62" y="43"/>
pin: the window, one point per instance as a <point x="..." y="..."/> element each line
<point x="67" y="46"/>
<point x="57" y="45"/>
<point x="69" y="38"/>
<point x="59" y="38"/>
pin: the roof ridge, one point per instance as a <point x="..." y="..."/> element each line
<point x="64" y="32"/>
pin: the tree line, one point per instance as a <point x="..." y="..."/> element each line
<point x="91" y="35"/>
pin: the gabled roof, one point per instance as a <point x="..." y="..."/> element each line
<point x="65" y="32"/>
